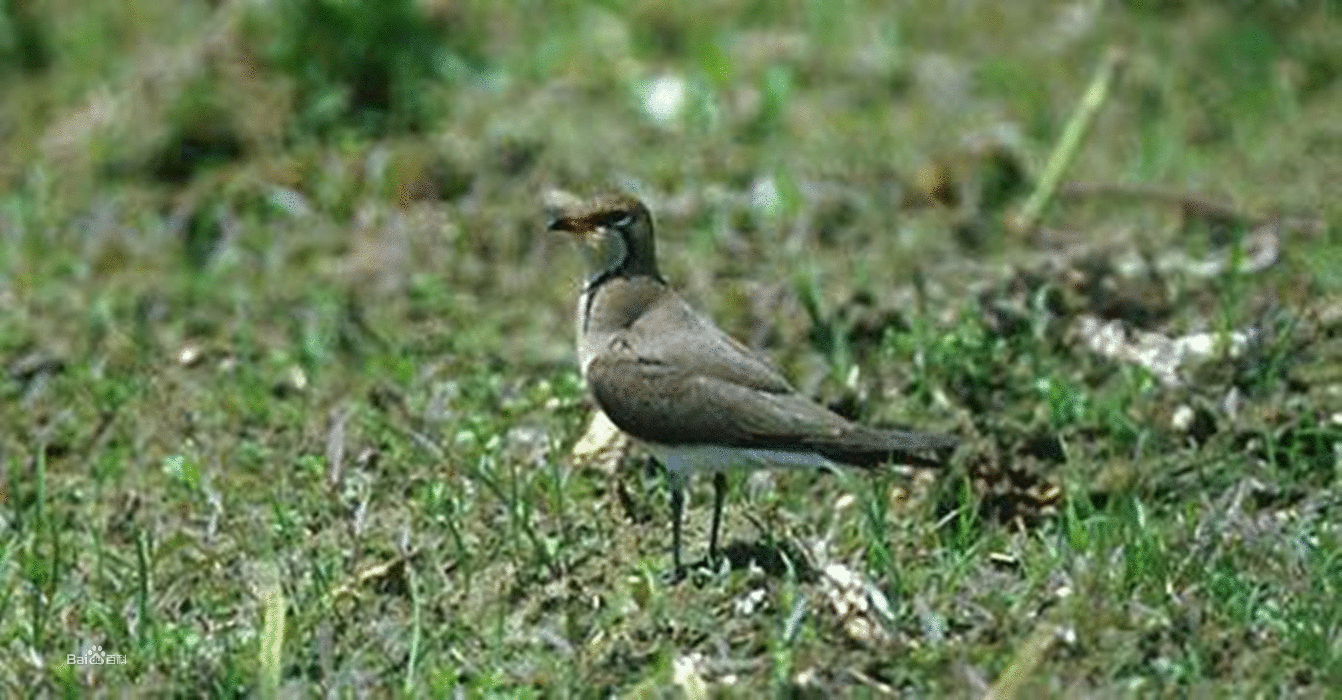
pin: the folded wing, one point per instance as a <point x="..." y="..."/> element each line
<point x="676" y="404"/>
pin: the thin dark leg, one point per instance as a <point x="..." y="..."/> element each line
<point x="719" y="494"/>
<point x="677" y="513"/>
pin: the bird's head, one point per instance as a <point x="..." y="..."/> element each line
<point x="615" y="230"/>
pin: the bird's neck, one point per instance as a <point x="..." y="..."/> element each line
<point x="614" y="302"/>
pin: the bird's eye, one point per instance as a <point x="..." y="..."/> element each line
<point x="620" y="219"/>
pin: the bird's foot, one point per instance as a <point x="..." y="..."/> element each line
<point x="673" y="576"/>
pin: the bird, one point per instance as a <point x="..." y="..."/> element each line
<point x="694" y="397"/>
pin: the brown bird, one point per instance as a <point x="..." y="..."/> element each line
<point x="693" y="396"/>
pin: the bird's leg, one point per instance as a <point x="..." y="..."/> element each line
<point x="719" y="494"/>
<point x="677" y="484"/>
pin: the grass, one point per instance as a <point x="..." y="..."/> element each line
<point x="289" y="393"/>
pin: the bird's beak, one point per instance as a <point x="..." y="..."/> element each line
<point x="558" y="205"/>
<point x="573" y="227"/>
<point x="555" y="222"/>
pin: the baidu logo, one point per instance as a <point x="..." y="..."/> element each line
<point x="94" y="656"/>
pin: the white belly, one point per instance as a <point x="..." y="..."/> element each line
<point x="682" y="460"/>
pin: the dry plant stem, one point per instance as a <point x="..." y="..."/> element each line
<point x="1191" y="206"/>
<point x="1025" y="663"/>
<point x="1070" y="143"/>
<point x="271" y="654"/>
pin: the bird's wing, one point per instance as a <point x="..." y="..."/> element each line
<point x="673" y="334"/>
<point x="672" y="404"/>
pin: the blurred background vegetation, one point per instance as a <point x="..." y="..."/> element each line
<point x="281" y="324"/>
